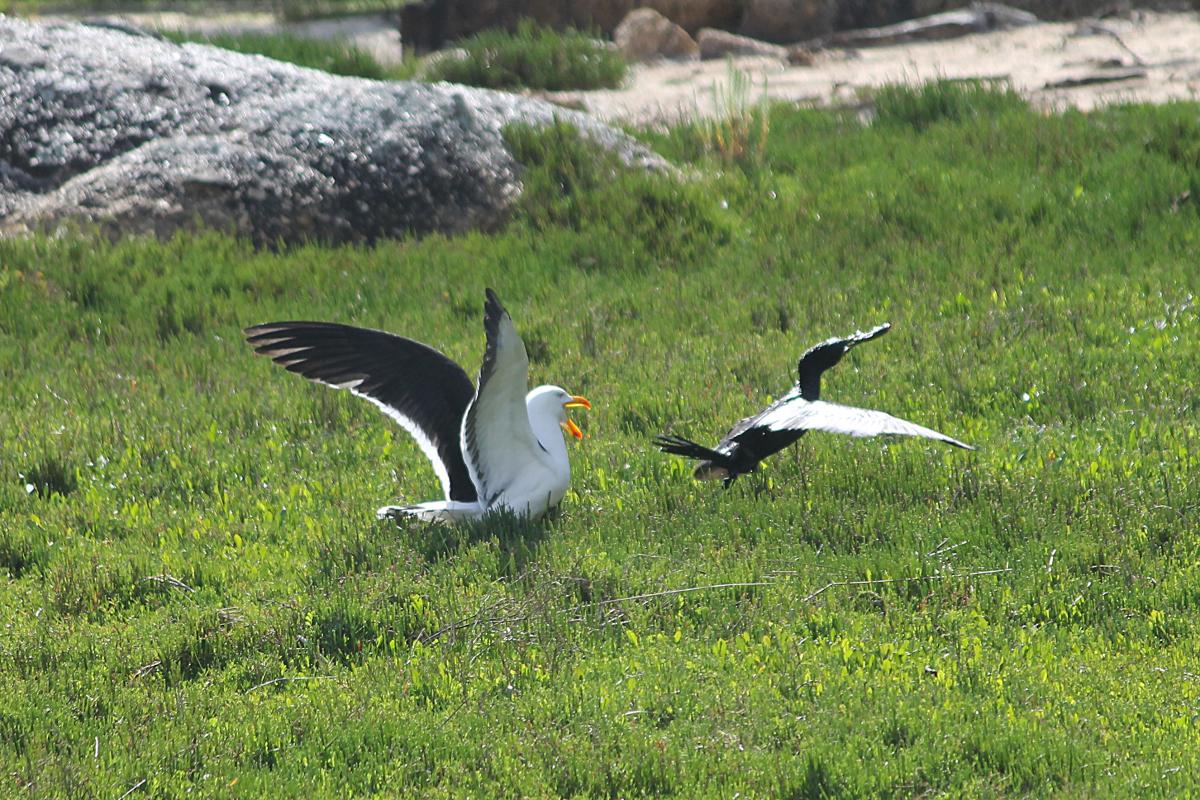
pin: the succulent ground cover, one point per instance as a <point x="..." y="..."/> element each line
<point x="195" y="597"/>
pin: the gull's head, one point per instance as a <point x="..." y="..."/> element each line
<point x="553" y="402"/>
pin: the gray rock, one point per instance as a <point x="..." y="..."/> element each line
<point x="976" y="18"/>
<point x="134" y="133"/>
<point x="718" y="44"/>
<point x="645" y="34"/>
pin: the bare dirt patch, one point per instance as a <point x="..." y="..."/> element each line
<point x="1150" y="57"/>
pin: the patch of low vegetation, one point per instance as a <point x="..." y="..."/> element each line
<point x="336" y="56"/>
<point x="200" y="601"/>
<point x="532" y="57"/>
<point x="737" y="132"/>
<point x="569" y="184"/>
<point x="946" y="100"/>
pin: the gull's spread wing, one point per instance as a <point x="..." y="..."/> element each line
<point x="497" y="438"/>
<point x="418" y="387"/>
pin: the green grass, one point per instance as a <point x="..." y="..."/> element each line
<point x="336" y="56"/>
<point x="942" y="101"/>
<point x="533" y="57"/>
<point x="1039" y="272"/>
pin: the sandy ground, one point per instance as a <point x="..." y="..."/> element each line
<point x="1148" y="56"/>
<point x="1157" y="55"/>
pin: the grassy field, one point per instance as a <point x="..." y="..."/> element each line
<point x="199" y="601"/>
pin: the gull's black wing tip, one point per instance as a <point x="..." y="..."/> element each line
<point x="493" y="312"/>
<point x="265" y="336"/>
<point x="252" y="332"/>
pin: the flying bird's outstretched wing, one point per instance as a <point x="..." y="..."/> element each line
<point x="418" y="387"/>
<point x="833" y="418"/>
<point x="496" y="433"/>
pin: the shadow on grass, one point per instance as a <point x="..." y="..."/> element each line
<point x="517" y="538"/>
<point x="51" y="475"/>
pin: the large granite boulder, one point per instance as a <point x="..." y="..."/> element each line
<point x="136" y="134"/>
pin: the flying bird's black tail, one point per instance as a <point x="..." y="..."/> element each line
<point x="686" y="447"/>
<point x="713" y="464"/>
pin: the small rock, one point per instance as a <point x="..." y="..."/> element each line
<point x="645" y="34"/>
<point x="430" y="24"/>
<point x="571" y="100"/>
<point x="801" y="56"/>
<point x="718" y="44"/>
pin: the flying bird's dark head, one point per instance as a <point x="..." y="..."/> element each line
<point x="820" y="357"/>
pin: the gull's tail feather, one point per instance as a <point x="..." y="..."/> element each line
<point x="433" y="511"/>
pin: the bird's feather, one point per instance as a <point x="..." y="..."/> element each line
<point x="414" y="384"/>
<point x="498" y="440"/>
<point x="819" y="415"/>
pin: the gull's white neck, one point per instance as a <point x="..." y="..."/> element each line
<point x="549" y="434"/>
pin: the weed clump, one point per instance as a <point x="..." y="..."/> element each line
<point x="22" y="552"/>
<point x="957" y="101"/>
<point x="737" y="134"/>
<point x="571" y="183"/>
<point x="50" y="476"/>
<point x="533" y="57"/>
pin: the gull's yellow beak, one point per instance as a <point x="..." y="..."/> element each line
<point x="576" y="401"/>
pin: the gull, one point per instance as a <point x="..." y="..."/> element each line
<point x="494" y="446"/>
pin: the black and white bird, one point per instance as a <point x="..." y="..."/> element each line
<point x="791" y="416"/>
<point x="493" y="447"/>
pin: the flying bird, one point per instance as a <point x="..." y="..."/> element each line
<point x="493" y="446"/>
<point x="791" y="416"/>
